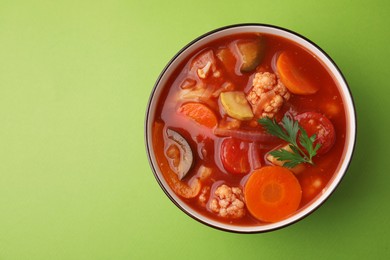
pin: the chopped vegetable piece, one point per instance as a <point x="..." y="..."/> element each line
<point x="236" y="105"/>
<point x="227" y="58"/>
<point x="200" y="113"/>
<point x="229" y="123"/>
<point x="190" y="190"/>
<point x="195" y="93"/>
<point x="234" y="156"/>
<point x="272" y="193"/>
<point x="254" y="155"/>
<point x="204" y="172"/>
<point x="227" y="86"/>
<point x="267" y="95"/>
<point x="205" y="65"/>
<point x="275" y="161"/>
<point x="293" y="76"/>
<point x="182" y="154"/>
<point x="201" y="60"/>
<point x="252" y="53"/>
<point x="320" y="126"/>
<point x="228" y="202"/>
<point x="246" y="135"/>
<point x="288" y="131"/>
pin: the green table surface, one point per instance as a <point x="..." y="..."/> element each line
<point x="75" y="182"/>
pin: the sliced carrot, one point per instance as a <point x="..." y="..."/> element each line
<point x="200" y="113"/>
<point x="293" y="76"/>
<point x="183" y="189"/>
<point x="272" y="193"/>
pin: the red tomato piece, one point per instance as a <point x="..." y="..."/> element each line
<point x="321" y="126"/>
<point x="234" y="156"/>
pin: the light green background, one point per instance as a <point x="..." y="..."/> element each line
<point x="75" y="183"/>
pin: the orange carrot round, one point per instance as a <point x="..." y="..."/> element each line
<point x="272" y="193"/>
<point x="293" y="77"/>
<point x="200" y="113"/>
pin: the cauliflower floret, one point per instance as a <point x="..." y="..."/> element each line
<point x="203" y="196"/>
<point x="267" y="94"/>
<point x="228" y="202"/>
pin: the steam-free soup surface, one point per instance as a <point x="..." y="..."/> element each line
<point x="210" y="133"/>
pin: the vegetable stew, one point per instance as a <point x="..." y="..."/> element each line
<point x="249" y="129"/>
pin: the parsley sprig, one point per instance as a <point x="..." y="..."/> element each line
<point x="288" y="131"/>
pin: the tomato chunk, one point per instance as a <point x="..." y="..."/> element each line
<point x="234" y="156"/>
<point x="321" y="126"/>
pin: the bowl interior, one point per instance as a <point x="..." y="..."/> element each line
<point x="236" y="29"/>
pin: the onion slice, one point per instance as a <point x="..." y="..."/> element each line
<point x="186" y="157"/>
<point x="246" y="135"/>
<point x="254" y="156"/>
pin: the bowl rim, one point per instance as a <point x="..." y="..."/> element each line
<point x="252" y="229"/>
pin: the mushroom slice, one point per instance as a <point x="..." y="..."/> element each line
<point x="180" y="152"/>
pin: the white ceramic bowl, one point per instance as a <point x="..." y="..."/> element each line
<point x="268" y="29"/>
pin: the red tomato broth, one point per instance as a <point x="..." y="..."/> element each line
<point x="204" y="143"/>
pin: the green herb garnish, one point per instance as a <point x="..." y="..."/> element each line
<point x="288" y="131"/>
